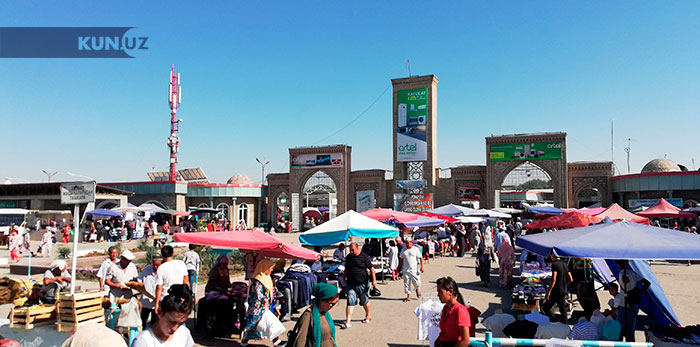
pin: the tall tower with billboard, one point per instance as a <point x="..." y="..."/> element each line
<point x="414" y="130"/>
<point x="174" y="99"/>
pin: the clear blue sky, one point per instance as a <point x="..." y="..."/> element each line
<point x="258" y="79"/>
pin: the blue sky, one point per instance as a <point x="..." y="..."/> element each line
<point x="259" y="78"/>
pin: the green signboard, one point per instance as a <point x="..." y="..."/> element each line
<point x="526" y="151"/>
<point x="8" y="204"/>
<point x="412" y="121"/>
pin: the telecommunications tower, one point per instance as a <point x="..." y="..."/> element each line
<point x="174" y="99"/>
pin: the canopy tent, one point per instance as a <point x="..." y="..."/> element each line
<point x="507" y="210"/>
<point x="452" y="210"/>
<point x="103" y="212"/>
<point x="348" y="224"/>
<point x="654" y="302"/>
<point x="168" y="212"/>
<point x="663" y="209"/>
<point x="151" y="207"/>
<point x="447" y="219"/>
<point x="181" y="214"/>
<point x="573" y="219"/>
<point x="546" y="210"/>
<point x="408" y="219"/>
<point x="249" y="240"/>
<point x="488" y="214"/>
<point x="616" y="213"/>
<point x="130" y="209"/>
<point x="623" y="240"/>
<point x="469" y="219"/>
<point x="591" y="211"/>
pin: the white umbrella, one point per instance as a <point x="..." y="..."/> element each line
<point x="464" y="219"/>
<point x="489" y="214"/>
<point x="507" y="210"/>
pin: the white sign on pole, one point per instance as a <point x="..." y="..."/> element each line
<point x="77" y="193"/>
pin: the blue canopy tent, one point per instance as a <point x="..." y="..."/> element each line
<point x="424" y="221"/>
<point x="623" y="240"/>
<point x="339" y="229"/>
<point x="104" y="212"/>
<point x="546" y="210"/>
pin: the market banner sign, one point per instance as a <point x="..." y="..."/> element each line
<point x="413" y="203"/>
<point x="317" y="160"/>
<point x="468" y="194"/>
<point x="412" y="120"/>
<point x="678" y="202"/>
<point x="526" y="151"/>
<point x="77" y="193"/>
<point x="364" y="200"/>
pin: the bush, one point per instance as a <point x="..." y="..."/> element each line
<point x="143" y="245"/>
<point x="64" y="252"/>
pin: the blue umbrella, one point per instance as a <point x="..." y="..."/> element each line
<point x="103" y="212"/>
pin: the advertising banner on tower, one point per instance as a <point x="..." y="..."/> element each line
<point x="526" y="151"/>
<point x="412" y="120"/>
<point x="317" y="160"/>
<point x="364" y="200"/>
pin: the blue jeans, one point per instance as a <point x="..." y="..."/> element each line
<point x="358" y="293"/>
<point x="627" y="316"/>
<point x="191" y="274"/>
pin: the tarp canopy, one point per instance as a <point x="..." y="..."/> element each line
<point x="452" y="210"/>
<point x="181" y="214"/>
<point x="468" y="219"/>
<point x="616" y="213"/>
<point x="447" y="219"/>
<point x="591" y="211"/>
<point x="507" y="210"/>
<point x="339" y="229"/>
<point x="131" y="209"/>
<point x="249" y="240"/>
<point x="573" y="219"/>
<point x="408" y="219"/>
<point x="654" y="302"/>
<point x="151" y="207"/>
<point x="546" y="210"/>
<point x="623" y="240"/>
<point x="663" y="209"/>
<point x="488" y="214"/>
<point x="103" y="212"/>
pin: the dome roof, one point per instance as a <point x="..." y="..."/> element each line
<point x="661" y="165"/>
<point x="239" y="179"/>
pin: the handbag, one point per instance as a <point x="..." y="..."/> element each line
<point x="375" y="292"/>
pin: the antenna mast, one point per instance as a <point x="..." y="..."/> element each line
<point x="174" y="99"/>
<point x="627" y="150"/>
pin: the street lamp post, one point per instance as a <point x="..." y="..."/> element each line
<point x="49" y="174"/>
<point x="262" y="180"/>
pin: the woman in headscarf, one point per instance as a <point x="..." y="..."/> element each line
<point x="506" y="256"/>
<point x="219" y="279"/>
<point x="316" y="327"/>
<point x="260" y="296"/>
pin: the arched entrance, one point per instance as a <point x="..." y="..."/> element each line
<point x="588" y="197"/>
<point x="319" y="195"/>
<point x="526" y="184"/>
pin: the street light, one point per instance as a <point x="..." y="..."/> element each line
<point x="49" y="174"/>
<point x="262" y="180"/>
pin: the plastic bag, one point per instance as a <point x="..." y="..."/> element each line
<point x="269" y="325"/>
<point x="129" y="315"/>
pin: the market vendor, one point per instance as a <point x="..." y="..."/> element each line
<point x="119" y="273"/>
<point x="217" y="301"/>
<point x="219" y="279"/>
<point x="55" y="280"/>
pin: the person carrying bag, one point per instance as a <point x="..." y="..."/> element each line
<point x="315" y="327"/>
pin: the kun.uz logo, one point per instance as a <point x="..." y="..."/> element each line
<point x="70" y="42"/>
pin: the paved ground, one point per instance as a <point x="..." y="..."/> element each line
<point x="395" y="325"/>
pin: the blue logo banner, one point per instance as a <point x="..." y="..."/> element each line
<point x="69" y="42"/>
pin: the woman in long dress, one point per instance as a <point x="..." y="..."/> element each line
<point x="46" y="243"/>
<point x="14" y="246"/>
<point x="506" y="255"/>
<point x="393" y="253"/>
<point x="260" y="296"/>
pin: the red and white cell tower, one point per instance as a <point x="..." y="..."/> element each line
<point x="174" y="98"/>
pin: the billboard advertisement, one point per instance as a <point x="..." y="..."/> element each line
<point x="468" y="194"/>
<point x="317" y="160"/>
<point x="413" y="203"/>
<point x="412" y="120"/>
<point x="526" y="151"/>
<point x="636" y="203"/>
<point x="364" y="200"/>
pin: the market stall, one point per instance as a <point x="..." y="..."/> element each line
<point x="573" y="219"/>
<point x="616" y="213"/>
<point x="663" y="209"/>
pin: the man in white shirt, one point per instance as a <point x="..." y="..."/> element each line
<point x="148" y="278"/>
<point x="191" y="259"/>
<point x="339" y="253"/>
<point x="408" y="262"/>
<point x="170" y="272"/>
<point x="553" y="330"/>
<point x="497" y="322"/>
<point x="118" y="274"/>
<point x="154" y="227"/>
<point x="113" y="253"/>
<point x="627" y="310"/>
<point x="55" y="280"/>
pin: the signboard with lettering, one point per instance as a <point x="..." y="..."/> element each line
<point x="77" y="193"/>
<point x="678" y="202"/>
<point x="413" y="203"/>
<point x="526" y="151"/>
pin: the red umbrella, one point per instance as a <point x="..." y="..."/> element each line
<point x="438" y="216"/>
<point x="249" y="240"/>
<point x="573" y="219"/>
<point x="663" y="209"/>
<point x="382" y="214"/>
<point x="181" y="214"/>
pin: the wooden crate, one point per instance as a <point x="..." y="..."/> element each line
<point x="32" y="316"/>
<point x="79" y="309"/>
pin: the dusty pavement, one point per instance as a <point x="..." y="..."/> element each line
<point x="394" y="323"/>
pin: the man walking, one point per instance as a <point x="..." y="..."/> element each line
<point x="556" y="293"/>
<point x="191" y="259"/>
<point x="357" y="266"/>
<point x="627" y="309"/>
<point x="172" y="271"/>
<point x="408" y="262"/>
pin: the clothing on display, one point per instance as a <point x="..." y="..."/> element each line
<point x="428" y="314"/>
